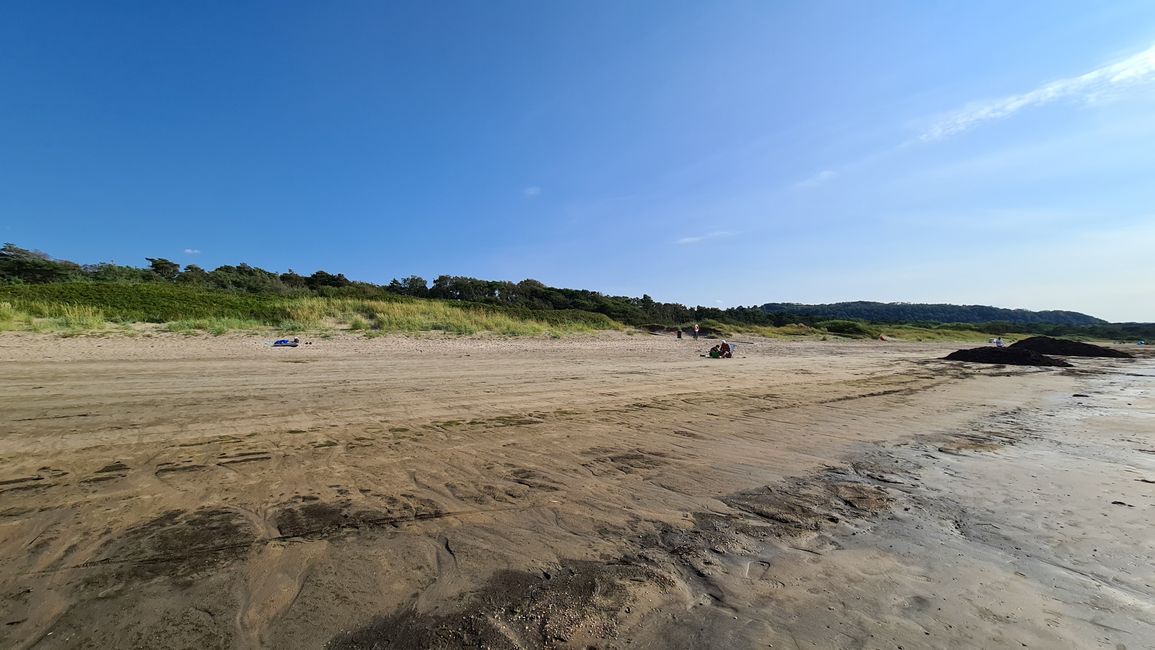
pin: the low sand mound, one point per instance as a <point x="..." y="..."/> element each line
<point x="1010" y="356"/>
<point x="1067" y="348"/>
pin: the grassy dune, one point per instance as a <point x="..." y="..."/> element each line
<point x="80" y="308"/>
<point x="83" y="307"/>
<point x="870" y="331"/>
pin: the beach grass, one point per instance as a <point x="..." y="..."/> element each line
<point x="58" y="318"/>
<point x="930" y="334"/>
<point x="824" y="331"/>
<point x="90" y="307"/>
<point x="87" y="308"/>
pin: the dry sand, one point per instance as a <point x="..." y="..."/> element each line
<point x="609" y="492"/>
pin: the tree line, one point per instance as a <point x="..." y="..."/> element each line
<point x="24" y="266"/>
<point x="20" y="265"/>
<point x="904" y="312"/>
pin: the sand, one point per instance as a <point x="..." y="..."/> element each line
<point x="608" y="492"/>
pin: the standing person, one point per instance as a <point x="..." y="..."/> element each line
<point x="695" y="331"/>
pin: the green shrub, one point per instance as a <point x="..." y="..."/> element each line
<point x="849" y="328"/>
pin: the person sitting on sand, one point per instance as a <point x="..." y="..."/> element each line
<point x="721" y="351"/>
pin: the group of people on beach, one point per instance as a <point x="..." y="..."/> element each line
<point x="721" y="351"/>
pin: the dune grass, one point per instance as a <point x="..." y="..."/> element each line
<point x="961" y="335"/>
<point x="374" y="317"/>
<point x="839" y="330"/>
<point x="91" y="307"/>
<point x="59" y="318"/>
<point x="85" y="308"/>
<point x="215" y="326"/>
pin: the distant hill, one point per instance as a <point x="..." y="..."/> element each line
<point x="903" y="312"/>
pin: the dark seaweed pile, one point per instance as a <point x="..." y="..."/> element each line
<point x="1010" y="356"/>
<point x="1067" y="348"/>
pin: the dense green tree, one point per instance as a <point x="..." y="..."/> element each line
<point x="294" y="280"/>
<point x="249" y="279"/>
<point x="415" y="285"/>
<point x="34" y="267"/>
<point x="324" y="279"/>
<point x="109" y="272"/>
<point x="164" y="269"/>
<point x="193" y="274"/>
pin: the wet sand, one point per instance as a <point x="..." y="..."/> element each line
<point x="609" y="492"/>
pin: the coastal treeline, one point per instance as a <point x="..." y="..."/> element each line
<point x="24" y="266"/>
<point x="905" y="312"/>
<point x="531" y="298"/>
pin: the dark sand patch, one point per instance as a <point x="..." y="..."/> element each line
<point x="179" y="545"/>
<point x="519" y="609"/>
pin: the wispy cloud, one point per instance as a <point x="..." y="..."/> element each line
<point x="1131" y="71"/>
<point x="531" y="192"/>
<point x="697" y="239"/>
<point x="192" y="251"/>
<point x="817" y="179"/>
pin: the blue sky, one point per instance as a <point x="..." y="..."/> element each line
<point x="715" y="153"/>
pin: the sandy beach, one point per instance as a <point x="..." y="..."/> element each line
<point x="603" y="492"/>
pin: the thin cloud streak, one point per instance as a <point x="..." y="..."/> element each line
<point x="1134" y="70"/>
<point x="191" y="251"/>
<point x="697" y="239"/>
<point x="1130" y="72"/>
<point x="816" y="180"/>
<point x="531" y="192"/>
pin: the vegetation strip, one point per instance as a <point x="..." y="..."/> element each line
<point x="40" y="293"/>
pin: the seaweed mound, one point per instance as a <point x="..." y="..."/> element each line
<point x="1009" y="356"/>
<point x="1067" y="348"/>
